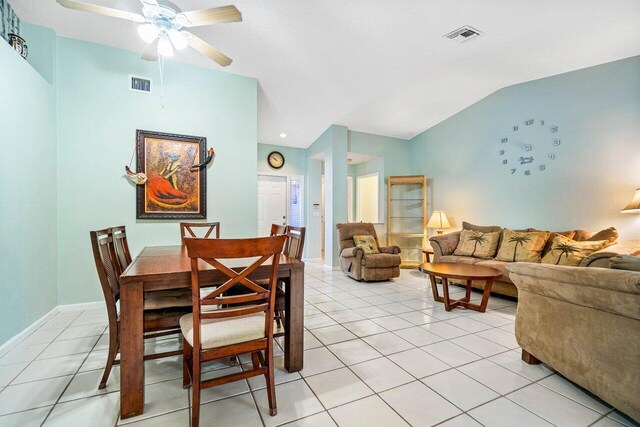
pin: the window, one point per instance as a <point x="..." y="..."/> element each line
<point x="295" y="203"/>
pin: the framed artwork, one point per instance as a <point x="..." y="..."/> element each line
<point x="172" y="190"/>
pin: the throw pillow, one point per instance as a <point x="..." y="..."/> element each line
<point x="367" y="243"/>
<point x="565" y="251"/>
<point x="522" y="246"/>
<point x="476" y="244"/>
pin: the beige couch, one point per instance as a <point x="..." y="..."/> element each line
<point x="585" y="324"/>
<point x="368" y="267"/>
<point x="445" y="244"/>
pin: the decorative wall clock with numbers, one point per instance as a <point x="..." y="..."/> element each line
<point x="529" y="147"/>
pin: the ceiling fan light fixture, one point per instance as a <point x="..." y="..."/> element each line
<point x="148" y="32"/>
<point x="178" y="39"/>
<point x="164" y="47"/>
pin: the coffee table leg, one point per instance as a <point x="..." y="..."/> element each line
<point x="434" y="288"/>
<point x="445" y="288"/>
<point x="485" y="295"/>
<point x="467" y="295"/>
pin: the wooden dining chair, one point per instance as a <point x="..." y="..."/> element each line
<point x="293" y="248"/>
<point x="161" y="317"/>
<point x="241" y="323"/>
<point x="187" y="229"/>
<point x="123" y="255"/>
<point x="278" y="229"/>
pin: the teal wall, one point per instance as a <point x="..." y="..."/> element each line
<point x="594" y="175"/>
<point x="27" y="194"/>
<point x="295" y="160"/>
<point x="42" y="49"/>
<point x="97" y="120"/>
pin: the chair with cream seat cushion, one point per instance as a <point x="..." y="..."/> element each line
<point x="225" y="324"/>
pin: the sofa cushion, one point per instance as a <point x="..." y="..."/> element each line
<point x="609" y="234"/>
<point x="367" y="243"/>
<point x="481" y="228"/>
<point x="459" y="259"/>
<point x="477" y="244"/>
<point x="522" y="246"/>
<point x="565" y="251"/>
<point x="498" y="265"/>
<point x="380" y="260"/>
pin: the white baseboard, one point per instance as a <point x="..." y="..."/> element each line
<point x="82" y="306"/>
<point x="20" y="336"/>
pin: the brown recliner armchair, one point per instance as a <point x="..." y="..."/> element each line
<point x="370" y="267"/>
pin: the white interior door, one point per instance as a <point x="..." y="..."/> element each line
<point x="272" y="202"/>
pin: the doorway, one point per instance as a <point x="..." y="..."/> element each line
<point x="367" y="195"/>
<point x="272" y="202"/>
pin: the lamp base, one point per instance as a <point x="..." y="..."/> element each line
<point x="440" y="231"/>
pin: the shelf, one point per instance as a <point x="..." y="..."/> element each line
<point x="418" y="200"/>
<point x="406" y="217"/>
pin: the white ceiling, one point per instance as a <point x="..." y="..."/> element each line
<point x="379" y="66"/>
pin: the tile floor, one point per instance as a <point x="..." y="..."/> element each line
<point x="378" y="354"/>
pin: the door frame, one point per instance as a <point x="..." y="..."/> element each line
<point x="289" y="177"/>
<point x="357" y="218"/>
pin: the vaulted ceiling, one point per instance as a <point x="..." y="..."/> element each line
<point x="379" y="66"/>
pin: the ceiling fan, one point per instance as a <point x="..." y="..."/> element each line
<point x="161" y="26"/>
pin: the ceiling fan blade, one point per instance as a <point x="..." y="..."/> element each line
<point x="150" y="52"/>
<point x="206" y="49"/>
<point x="101" y="10"/>
<point x="217" y="15"/>
<point x="149" y="2"/>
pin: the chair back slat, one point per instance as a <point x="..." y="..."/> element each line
<point x="262" y="299"/>
<point x="278" y="229"/>
<point x="121" y="246"/>
<point x="106" y="265"/>
<point x="295" y="242"/>
<point x="187" y="229"/>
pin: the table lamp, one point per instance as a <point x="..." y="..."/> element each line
<point x="439" y="220"/>
<point x="634" y="204"/>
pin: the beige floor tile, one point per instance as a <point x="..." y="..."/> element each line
<point x="370" y="411"/>
<point x="338" y="387"/>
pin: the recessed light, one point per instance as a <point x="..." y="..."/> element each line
<point x="283" y="135"/>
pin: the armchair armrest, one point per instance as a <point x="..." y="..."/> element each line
<point x="351" y="252"/>
<point x="390" y="250"/>
<point x="601" y="258"/>
<point x="625" y="262"/>
<point x="444" y="244"/>
<point x="612" y="291"/>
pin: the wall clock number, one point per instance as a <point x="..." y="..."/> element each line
<point x="554" y="129"/>
<point x="525" y="160"/>
<point x="527" y="147"/>
<point x="551" y="156"/>
<point x="542" y="167"/>
<point x="505" y="161"/>
<point x="541" y="122"/>
<point x="513" y="171"/>
<point x="515" y="128"/>
<point x="504" y="140"/>
<point x="502" y="152"/>
<point x="527" y="172"/>
<point x="556" y="142"/>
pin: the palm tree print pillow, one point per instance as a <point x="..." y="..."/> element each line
<point x="565" y="251"/>
<point x="367" y="243"/>
<point x="476" y="244"/>
<point x="524" y="246"/>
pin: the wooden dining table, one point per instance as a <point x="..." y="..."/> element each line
<point x="168" y="267"/>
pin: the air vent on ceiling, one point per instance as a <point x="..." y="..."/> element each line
<point x="140" y="84"/>
<point x="463" y="34"/>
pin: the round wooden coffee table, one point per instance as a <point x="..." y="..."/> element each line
<point x="466" y="272"/>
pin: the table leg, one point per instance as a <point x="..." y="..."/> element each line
<point x="467" y="294"/>
<point x="485" y="296"/>
<point x="445" y="289"/>
<point x="294" y="321"/>
<point x="434" y="289"/>
<point x="131" y="350"/>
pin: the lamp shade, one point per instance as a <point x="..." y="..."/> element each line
<point x="438" y="220"/>
<point x="634" y="204"/>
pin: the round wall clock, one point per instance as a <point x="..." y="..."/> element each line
<point x="275" y="159"/>
<point x="529" y="147"/>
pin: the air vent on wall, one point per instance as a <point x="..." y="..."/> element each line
<point x="140" y="84"/>
<point x="463" y="34"/>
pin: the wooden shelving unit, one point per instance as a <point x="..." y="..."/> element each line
<point x="407" y="217"/>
